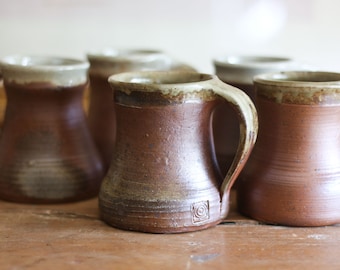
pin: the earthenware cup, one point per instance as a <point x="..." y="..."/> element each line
<point x="163" y="176"/>
<point x="239" y="70"/>
<point x="101" y="115"/>
<point x="46" y="151"/>
<point x="293" y="175"/>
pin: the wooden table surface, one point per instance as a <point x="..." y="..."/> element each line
<point x="71" y="236"/>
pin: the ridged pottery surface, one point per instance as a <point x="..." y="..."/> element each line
<point x="101" y="115"/>
<point x="293" y="175"/>
<point x="46" y="151"/>
<point x="163" y="176"/>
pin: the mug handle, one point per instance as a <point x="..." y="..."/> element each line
<point x="247" y="115"/>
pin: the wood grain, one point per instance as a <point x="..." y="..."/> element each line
<point x="69" y="236"/>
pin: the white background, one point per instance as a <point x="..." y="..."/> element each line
<point x="194" y="31"/>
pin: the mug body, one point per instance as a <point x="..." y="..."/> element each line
<point x="292" y="177"/>
<point x="163" y="177"/>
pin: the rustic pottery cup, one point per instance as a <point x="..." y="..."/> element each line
<point x="101" y="115"/>
<point x="46" y="151"/>
<point x="163" y="176"/>
<point x="239" y="70"/>
<point x="293" y="175"/>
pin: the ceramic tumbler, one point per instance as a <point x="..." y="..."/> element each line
<point x="47" y="154"/>
<point x="101" y="114"/>
<point x="239" y="70"/>
<point x="293" y="175"/>
<point x="163" y="177"/>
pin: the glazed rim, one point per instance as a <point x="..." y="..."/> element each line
<point x="167" y="82"/>
<point x="123" y="54"/>
<point x="251" y="61"/>
<point x="42" y="63"/>
<point x="44" y="69"/>
<point x="160" y="77"/>
<point x="300" y="79"/>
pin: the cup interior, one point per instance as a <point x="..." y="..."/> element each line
<point x="307" y="76"/>
<point x="159" y="77"/>
<point x="251" y="60"/>
<point x="125" y="54"/>
<point x="303" y="76"/>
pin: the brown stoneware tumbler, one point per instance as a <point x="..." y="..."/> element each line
<point x="101" y="114"/>
<point x="46" y="152"/>
<point x="163" y="176"/>
<point x="293" y="175"/>
<point x="239" y="70"/>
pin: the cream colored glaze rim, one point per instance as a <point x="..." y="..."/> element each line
<point x="112" y="54"/>
<point x="112" y="61"/>
<point x="242" y="68"/>
<point x="300" y="87"/>
<point x="308" y="79"/>
<point x="23" y="69"/>
<point x="172" y="83"/>
<point x="251" y="61"/>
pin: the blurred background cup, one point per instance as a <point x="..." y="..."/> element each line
<point x="101" y="114"/>
<point x="239" y="70"/>
<point x="46" y="151"/>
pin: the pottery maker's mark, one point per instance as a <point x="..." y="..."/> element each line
<point x="200" y="211"/>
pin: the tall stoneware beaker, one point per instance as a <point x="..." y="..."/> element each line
<point x="293" y="175"/>
<point x="47" y="154"/>
<point x="239" y="70"/>
<point x="101" y="112"/>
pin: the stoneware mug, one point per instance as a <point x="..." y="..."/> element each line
<point x="293" y="175"/>
<point x="163" y="176"/>
<point x="46" y="152"/>
<point x="239" y="70"/>
<point x="101" y="115"/>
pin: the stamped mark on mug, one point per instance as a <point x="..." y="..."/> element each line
<point x="200" y="211"/>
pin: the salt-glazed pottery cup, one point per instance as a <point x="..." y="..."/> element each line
<point x="293" y="175"/>
<point x="101" y="115"/>
<point x="46" y="151"/>
<point x="163" y="176"/>
<point x="239" y="70"/>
